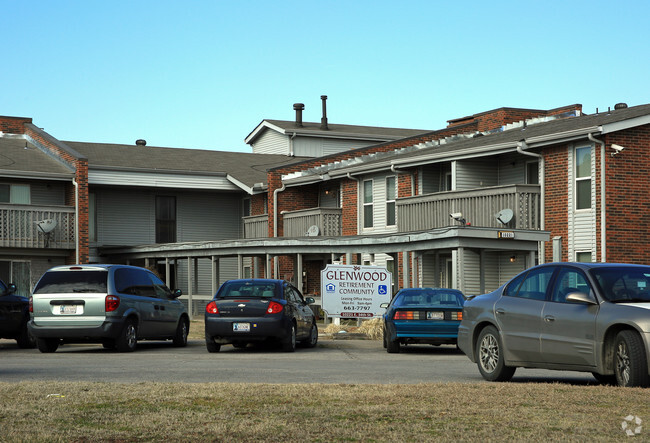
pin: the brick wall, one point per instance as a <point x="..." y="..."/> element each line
<point x="349" y="214"/>
<point x="13" y="125"/>
<point x="556" y="198"/>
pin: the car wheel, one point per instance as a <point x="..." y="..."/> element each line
<point x="312" y="340"/>
<point x="392" y="346"/>
<point x="128" y="338"/>
<point x="47" y="345"/>
<point x="26" y="340"/>
<point x="180" y="339"/>
<point x="289" y="343"/>
<point x="108" y="343"/>
<point x="211" y="345"/>
<point x="603" y="379"/>
<point x="630" y="367"/>
<point x="489" y="356"/>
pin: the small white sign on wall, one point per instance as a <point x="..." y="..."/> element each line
<point x="351" y="291"/>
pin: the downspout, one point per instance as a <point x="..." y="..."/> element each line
<point x="291" y="153"/>
<point x="275" y="209"/>
<point x="603" y="212"/>
<point x="76" y="219"/>
<point x="521" y="145"/>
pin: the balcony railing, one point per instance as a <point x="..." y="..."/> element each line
<point x="256" y="226"/>
<point x="19" y="227"/>
<point x="300" y="223"/>
<point x="478" y="206"/>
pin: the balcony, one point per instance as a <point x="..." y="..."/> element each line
<point x="256" y="226"/>
<point x="479" y="207"/>
<point x="298" y="223"/>
<point x="18" y="228"/>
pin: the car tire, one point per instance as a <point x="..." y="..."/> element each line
<point x="392" y="346"/>
<point x="489" y="356"/>
<point x="26" y="340"/>
<point x="211" y="345"/>
<point x="128" y="338"/>
<point x="289" y="343"/>
<point x="630" y="364"/>
<point x="180" y="338"/>
<point x="605" y="379"/>
<point x="108" y="343"/>
<point x="47" y="345"/>
<point x="312" y="340"/>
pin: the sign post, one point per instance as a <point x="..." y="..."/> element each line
<point x="351" y="291"/>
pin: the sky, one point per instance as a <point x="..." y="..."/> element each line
<point x="203" y="74"/>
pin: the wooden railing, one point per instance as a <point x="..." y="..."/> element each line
<point x="298" y="223"/>
<point x="256" y="226"/>
<point x="19" y="226"/>
<point x="478" y="206"/>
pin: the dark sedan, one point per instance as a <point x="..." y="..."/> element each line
<point x="592" y="317"/>
<point x="14" y="315"/>
<point x="256" y="310"/>
<point x="422" y="316"/>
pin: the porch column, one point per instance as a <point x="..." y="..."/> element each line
<point x="531" y="259"/>
<point x="405" y="269"/>
<point x="190" y="286"/>
<point x="267" y="268"/>
<point x="240" y="266"/>
<point x="215" y="274"/>
<point x="298" y="272"/>
<point x="460" y="264"/>
<point x="167" y="276"/>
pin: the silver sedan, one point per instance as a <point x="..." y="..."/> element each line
<point x="592" y="317"/>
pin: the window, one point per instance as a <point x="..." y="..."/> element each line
<point x="367" y="204"/>
<point x="16" y="194"/>
<point x="584" y="257"/>
<point x="583" y="178"/>
<point x="534" y="284"/>
<point x="532" y="173"/>
<point x="246" y="208"/>
<point x="134" y="282"/>
<point x="390" y="201"/>
<point x="568" y="282"/>
<point x="165" y="219"/>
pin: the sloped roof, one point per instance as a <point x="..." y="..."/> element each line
<point x="19" y="158"/>
<point x="534" y="134"/>
<point x="246" y="168"/>
<point x="372" y="133"/>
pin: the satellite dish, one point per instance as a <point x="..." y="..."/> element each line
<point x="313" y="231"/>
<point x="504" y="216"/>
<point x="46" y="226"/>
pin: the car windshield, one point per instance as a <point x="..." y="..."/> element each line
<point x="248" y="289"/>
<point x="67" y="282"/>
<point x="624" y="284"/>
<point x="428" y="297"/>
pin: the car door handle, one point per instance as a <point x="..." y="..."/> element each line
<point x="549" y="318"/>
<point x="500" y="311"/>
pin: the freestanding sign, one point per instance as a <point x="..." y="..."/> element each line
<point x="355" y="291"/>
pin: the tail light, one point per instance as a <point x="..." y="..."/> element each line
<point x="112" y="303"/>
<point x="211" y="308"/>
<point x="274" y="308"/>
<point x="457" y="315"/>
<point x="404" y="315"/>
<point x="31" y="304"/>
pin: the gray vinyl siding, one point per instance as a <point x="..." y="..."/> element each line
<point x="45" y="194"/>
<point x="203" y="275"/>
<point x="471" y="272"/>
<point x="512" y="169"/>
<point x="330" y="146"/>
<point x="379" y="205"/>
<point x="472" y="174"/>
<point x="430" y="179"/>
<point x="429" y="273"/>
<point x="129" y="219"/>
<point x="272" y="142"/>
<point x="582" y="223"/>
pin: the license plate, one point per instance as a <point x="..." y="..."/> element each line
<point x="435" y="315"/>
<point x="67" y="309"/>
<point x="241" y="327"/>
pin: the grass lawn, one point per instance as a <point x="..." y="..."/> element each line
<point x="317" y="412"/>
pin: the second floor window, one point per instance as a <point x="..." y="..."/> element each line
<point x="583" y="178"/>
<point x="390" y="201"/>
<point x="165" y="219"/>
<point x="16" y="194"/>
<point x="367" y="204"/>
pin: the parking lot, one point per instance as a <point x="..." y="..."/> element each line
<point x="332" y="361"/>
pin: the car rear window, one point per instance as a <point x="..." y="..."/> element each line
<point x="429" y="298"/>
<point x="624" y="284"/>
<point x="60" y="282"/>
<point x="248" y="289"/>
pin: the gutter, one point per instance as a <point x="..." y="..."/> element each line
<point x="603" y="212"/>
<point x="521" y="145"/>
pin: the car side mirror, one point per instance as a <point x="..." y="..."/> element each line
<point x="383" y="305"/>
<point x="310" y="300"/>
<point x="11" y="288"/>
<point x="177" y="293"/>
<point x="581" y="297"/>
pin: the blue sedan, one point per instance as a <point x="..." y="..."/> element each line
<point x="422" y="316"/>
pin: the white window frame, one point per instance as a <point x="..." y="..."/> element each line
<point x="368" y="204"/>
<point x="13" y="188"/>
<point x="577" y="179"/>
<point x="392" y="201"/>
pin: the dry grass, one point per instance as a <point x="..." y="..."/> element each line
<point x="316" y="412"/>
<point x="373" y="328"/>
